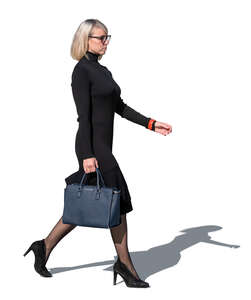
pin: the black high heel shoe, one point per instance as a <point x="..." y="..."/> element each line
<point x="127" y="275"/>
<point x="39" y="250"/>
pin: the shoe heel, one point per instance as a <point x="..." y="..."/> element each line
<point x="114" y="277"/>
<point x="28" y="251"/>
<point x="129" y="278"/>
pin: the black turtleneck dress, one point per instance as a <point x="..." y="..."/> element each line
<point x="97" y="99"/>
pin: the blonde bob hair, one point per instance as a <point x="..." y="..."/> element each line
<point x="79" y="44"/>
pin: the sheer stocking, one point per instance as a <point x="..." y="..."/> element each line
<point x="56" y="234"/>
<point x="119" y="236"/>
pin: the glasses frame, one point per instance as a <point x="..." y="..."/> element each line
<point x="102" y="38"/>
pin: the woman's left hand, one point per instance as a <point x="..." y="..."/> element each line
<point x="163" y="128"/>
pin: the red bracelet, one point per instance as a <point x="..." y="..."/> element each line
<point x="150" y="124"/>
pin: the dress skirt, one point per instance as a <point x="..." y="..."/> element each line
<point x="112" y="178"/>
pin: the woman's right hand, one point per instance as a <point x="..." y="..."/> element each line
<point x="90" y="164"/>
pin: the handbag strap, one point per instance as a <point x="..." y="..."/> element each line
<point x="99" y="175"/>
<point x="102" y="179"/>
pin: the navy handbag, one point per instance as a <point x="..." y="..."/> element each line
<point x="90" y="205"/>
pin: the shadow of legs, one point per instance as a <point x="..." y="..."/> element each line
<point x="119" y="236"/>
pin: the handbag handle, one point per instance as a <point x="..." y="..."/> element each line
<point x="98" y="174"/>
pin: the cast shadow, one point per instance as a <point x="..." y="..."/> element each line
<point x="161" y="257"/>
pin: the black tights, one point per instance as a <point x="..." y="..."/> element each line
<point x="118" y="233"/>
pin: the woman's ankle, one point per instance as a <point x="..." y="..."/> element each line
<point x="130" y="267"/>
<point x="48" y="248"/>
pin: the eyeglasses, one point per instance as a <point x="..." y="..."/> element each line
<point x="102" y="38"/>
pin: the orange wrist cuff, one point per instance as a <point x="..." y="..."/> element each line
<point x="150" y="124"/>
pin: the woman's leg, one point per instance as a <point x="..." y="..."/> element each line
<point x="56" y="234"/>
<point x="119" y="236"/>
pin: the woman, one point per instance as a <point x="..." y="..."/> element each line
<point x="97" y="98"/>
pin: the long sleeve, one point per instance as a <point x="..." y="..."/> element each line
<point x="125" y="111"/>
<point x="81" y="94"/>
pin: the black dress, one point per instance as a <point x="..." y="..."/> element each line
<point x="97" y="98"/>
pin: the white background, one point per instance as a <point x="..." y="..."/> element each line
<point x="186" y="63"/>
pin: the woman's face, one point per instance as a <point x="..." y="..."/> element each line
<point x="96" y="45"/>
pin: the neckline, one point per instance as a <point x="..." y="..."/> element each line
<point x="92" y="56"/>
